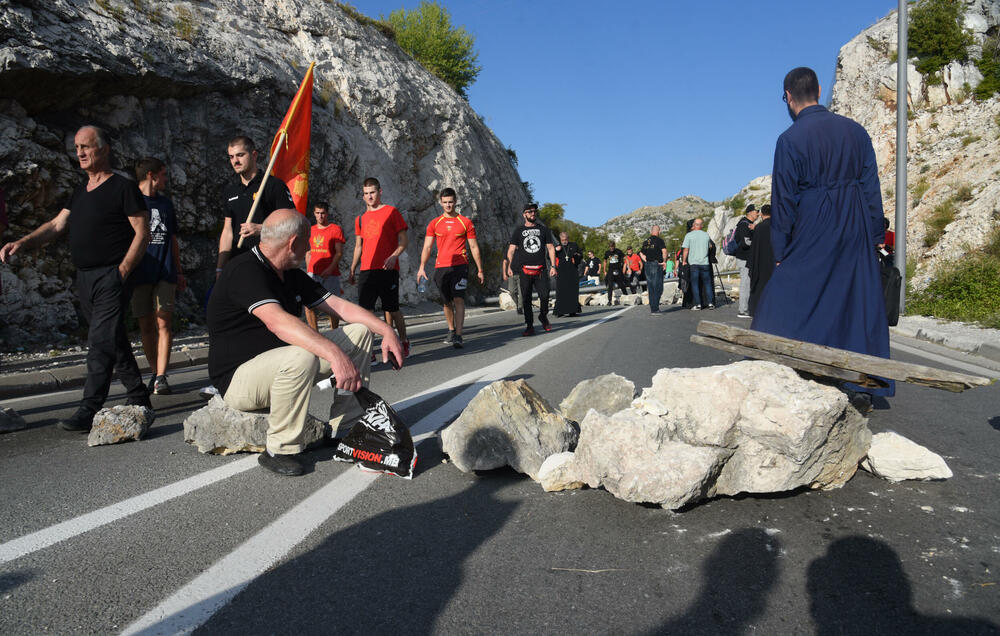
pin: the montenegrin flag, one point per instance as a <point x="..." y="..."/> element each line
<point x="291" y="143"/>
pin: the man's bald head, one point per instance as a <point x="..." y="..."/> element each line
<point x="655" y="230"/>
<point x="696" y="225"/>
<point x="282" y="225"/>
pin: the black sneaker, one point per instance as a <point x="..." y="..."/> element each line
<point x="450" y="338"/>
<point x="286" y="465"/>
<point x="457" y="341"/>
<point x="81" y="422"/>
<point x="139" y="401"/>
<point x="160" y="386"/>
<point x="530" y="331"/>
<point x="152" y="384"/>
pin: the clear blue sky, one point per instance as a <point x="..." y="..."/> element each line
<point x="614" y="105"/>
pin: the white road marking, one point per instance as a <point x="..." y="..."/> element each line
<point x="196" y="602"/>
<point x="16" y="548"/>
<point x="958" y="364"/>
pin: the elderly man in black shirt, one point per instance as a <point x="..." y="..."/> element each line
<point x="108" y="232"/>
<point x="262" y="355"/>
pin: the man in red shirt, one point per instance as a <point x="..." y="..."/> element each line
<point x="634" y="263"/>
<point x="451" y="269"/>
<point x="380" y="237"/>
<point x="326" y="246"/>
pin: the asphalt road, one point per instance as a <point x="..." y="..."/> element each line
<point x="153" y="537"/>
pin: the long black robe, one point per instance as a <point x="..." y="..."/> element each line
<point x="567" y="279"/>
<point x="760" y="261"/>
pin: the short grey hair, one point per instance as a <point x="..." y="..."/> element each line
<point x="278" y="233"/>
<point x="102" y="136"/>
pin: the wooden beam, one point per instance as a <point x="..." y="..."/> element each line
<point x="841" y="359"/>
<point x="802" y="365"/>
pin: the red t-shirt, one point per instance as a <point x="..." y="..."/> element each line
<point x="890" y="241"/>
<point x="321" y="247"/>
<point x="378" y="230"/>
<point x="451" y="234"/>
<point x="635" y="262"/>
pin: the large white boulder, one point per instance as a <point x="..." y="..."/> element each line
<point x="896" y="458"/>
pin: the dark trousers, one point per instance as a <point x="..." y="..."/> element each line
<point x="701" y="285"/>
<point x="103" y="299"/>
<point x="540" y="284"/>
<point x="633" y="282"/>
<point x="654" y="283"/>
<point x="615" y="279"/>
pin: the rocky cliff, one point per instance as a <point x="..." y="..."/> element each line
<point x="667" y="215"/>
<point x="177" y="80"/>
<point x="953" y="140"/>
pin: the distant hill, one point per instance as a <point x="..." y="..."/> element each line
<point x="641" y="219"/>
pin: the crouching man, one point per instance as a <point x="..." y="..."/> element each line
<point x="263" y="356"/>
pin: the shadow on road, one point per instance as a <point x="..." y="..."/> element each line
<point x="393" y="573"/>
<point x="736" y="580"/>
<point x="859" y="588"/>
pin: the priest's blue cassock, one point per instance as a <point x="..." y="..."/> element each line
<point x="826" y="220"/>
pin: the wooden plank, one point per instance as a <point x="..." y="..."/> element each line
<point x="802" y="365"/>
<point x="829" y="356"/>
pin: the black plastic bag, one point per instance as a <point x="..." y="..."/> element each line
<point x="379" y="442"/>
<point x="892" y="281"/>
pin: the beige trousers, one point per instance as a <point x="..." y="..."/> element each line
<point x="282" y="379"/>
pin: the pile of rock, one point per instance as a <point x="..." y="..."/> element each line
<point x="760" y="429"/>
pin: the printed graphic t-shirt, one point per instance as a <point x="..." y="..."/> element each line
<point x="322" y="246"/>
<point x="451" y="234"/>
<point x="529" y="244"/>
<point x="616" y="261"/>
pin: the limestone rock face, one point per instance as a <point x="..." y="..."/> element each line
<point x="952" y="138"/>
<point x="220" y="429"/>
<point x="606" y="394"/>
<point x="747" y="427"/>
<point x="507" y="424"/>
<point x="896" y="458"/>
<point x="177" y="80"/>
<point x="11" y="420"/>
<point x="120" y="424"/>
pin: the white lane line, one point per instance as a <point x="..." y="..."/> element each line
<point x="16" y="548"/>
<point x="958" y="364"/>
<point x="193" y="604"/>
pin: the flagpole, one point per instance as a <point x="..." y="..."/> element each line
<point x="263" y="182"/>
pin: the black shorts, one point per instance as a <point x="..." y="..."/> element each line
<point x="452" y="281"/>
<point x="379" y="283"/>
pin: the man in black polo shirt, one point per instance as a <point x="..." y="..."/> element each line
<point x="108" y="231"/>
<point x="654" y="255"/>
<point x="239" y="196"/>
<point x="261" y="355"/>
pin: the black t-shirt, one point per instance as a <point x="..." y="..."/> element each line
<point x="616" y="261"/>
<point x="593" y="265"/>
<point x="529" y="244"/>
<point x="652" y="249"/>
<point x="239" y="199"/>
<point x="158" y="263"/>
<point x="99" y="229"/>
<point x="235" y="335"/>
<point x="569" y="253"/>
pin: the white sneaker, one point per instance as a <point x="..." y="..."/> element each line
<point x="743" y="314"/>
<point x="711" y="306"/>
<point x="696" y="308"/>
<point x="208" y="391"/>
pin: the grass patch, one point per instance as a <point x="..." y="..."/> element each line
<point x="737" y="204"/>
<point x="970" y="139"/>
<point x="941" y="216"/>
<point x="185" y="25"/>
<point x="384" y="27"/>
<point x="963" y="192"/>
<point x="919" y="190"/>
<point x="967" y="290"/>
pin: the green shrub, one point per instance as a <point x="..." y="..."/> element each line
<point x="970" y="139"/>
<point x="966" y="290"/>
<point x="937" y="35"/>
<point x="738" y="203"/>
<point x="989" y="66"/>
<point x="427" y="34"/>
<point x="963" y="192"/>
<point x="941" y="216"/>
<point x="379" y="25"/>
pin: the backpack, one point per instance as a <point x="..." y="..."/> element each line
<point x="729" y="244"/>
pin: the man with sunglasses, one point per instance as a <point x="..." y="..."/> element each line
<point x="526" y="257"/>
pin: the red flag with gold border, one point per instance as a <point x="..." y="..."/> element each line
<point x="292" y="164"/>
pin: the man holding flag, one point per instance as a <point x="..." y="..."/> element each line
<point x="256" y="195"/>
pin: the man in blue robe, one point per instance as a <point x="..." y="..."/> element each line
<point x="826" y="221"/>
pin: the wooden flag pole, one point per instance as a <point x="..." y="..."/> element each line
<point x="267" y="173"/>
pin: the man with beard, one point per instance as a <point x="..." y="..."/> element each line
<point x="568" y="256"/>
<point x="526" y="251"/>
<point x="262" y="356"/>
<point x="826" y="221"/>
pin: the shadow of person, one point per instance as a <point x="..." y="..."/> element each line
<point x="859" y="587"/>
<point x="737" y="577"/>
<point x="393" y="572"/>
<point x="995" y="422"/>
